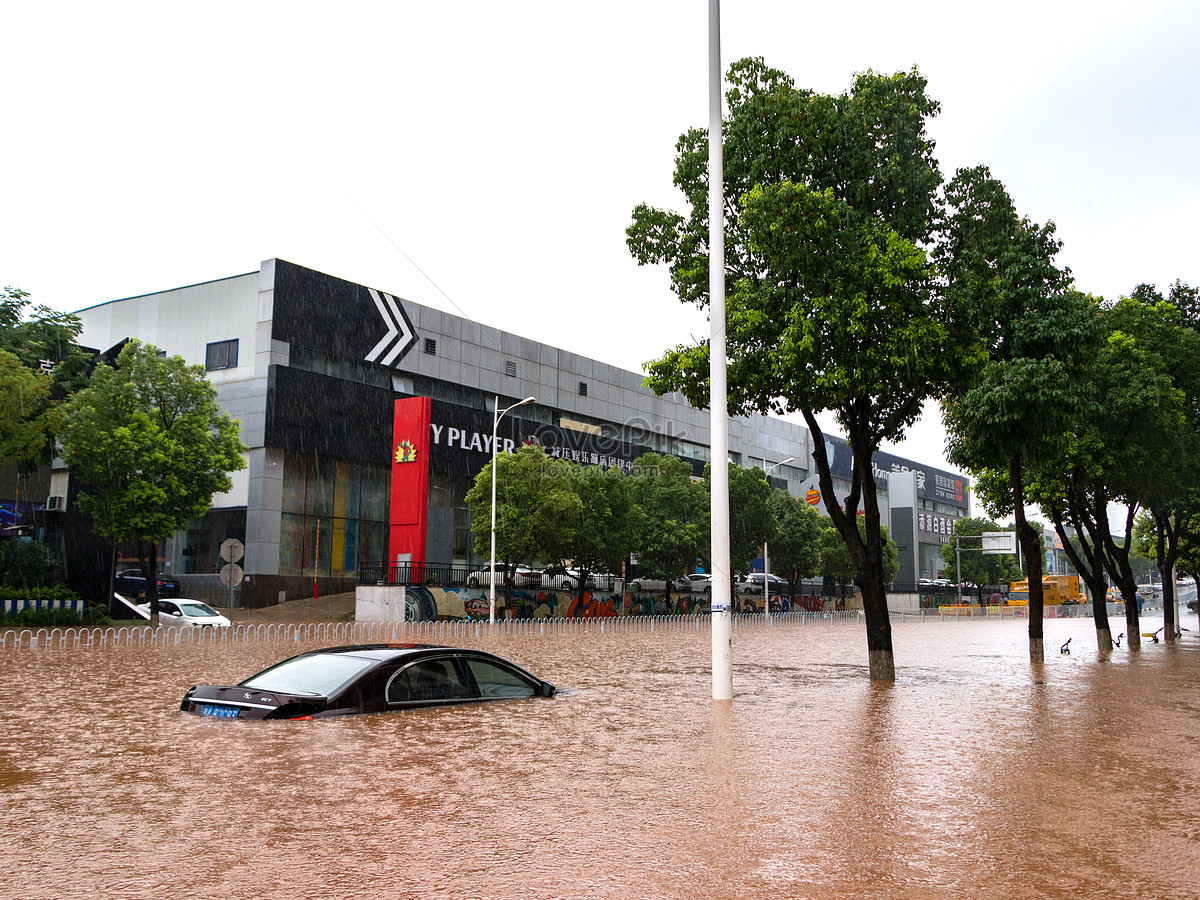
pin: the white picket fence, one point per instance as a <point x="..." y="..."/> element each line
<point x="337" y="633"/>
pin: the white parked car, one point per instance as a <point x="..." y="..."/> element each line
<point x="570" y="581"/>
<point x="697" y="581"/>
<point x="521" y="575"/>
<point x="180" y="613"/>
<point x="753" y="584"/>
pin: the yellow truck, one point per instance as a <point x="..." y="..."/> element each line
<point x="1057" y="590"/>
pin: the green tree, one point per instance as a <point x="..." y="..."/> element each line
<point x="1189" y="547"/>
<point x="1121" y="450"/>
<point x="838" y="563"/>
<point x="1171" y="328"/>
<point x="751" y="522"/>
<point x="150" y="447"/>
<point x="794" y="548"/>
<point x="537" y="510"/>
<point x="609" y="522"/>
<point x="40" y="363"/>
<point x="1035" y="335"/>
<point x="977" y="567"/>
<point x="23" y="422"/>
<point x="834" y="304"/>
<point x="27" y="564"/>
<point x="675" y="531"/>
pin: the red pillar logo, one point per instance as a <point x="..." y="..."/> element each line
<point x="406" y="451"/>
<point x="408" y="511"/>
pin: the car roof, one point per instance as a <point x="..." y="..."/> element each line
<point x="383" y="652"/>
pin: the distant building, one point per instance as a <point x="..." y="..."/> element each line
<point x="313" y="365"/>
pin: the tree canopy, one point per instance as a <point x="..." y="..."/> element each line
<point x="1138" y="447"/>
<point x="1034" y="336"/>
<point x="676" y="516"/>
<point x="40" y="364"/>
<point x="149" y="446"/>
<point x="751" y="519"/>
<point x="538" y="509"/>
<point x="23" y="425"/>
<point x="834" y="303"/>
<point x="794" y="549"/>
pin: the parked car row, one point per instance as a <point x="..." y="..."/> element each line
<point x="524" y="576"/>
<point x="700" y="582"/>
<point x="528" y="577"/>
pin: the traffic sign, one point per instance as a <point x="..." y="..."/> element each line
<point x="232" y="549"/>
<point x="231" y="574"/>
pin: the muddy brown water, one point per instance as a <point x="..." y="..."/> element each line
<point x="974" y="775"/>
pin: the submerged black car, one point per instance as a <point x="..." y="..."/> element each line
<point x="367" y="678"/>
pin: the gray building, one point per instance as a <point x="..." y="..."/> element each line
<point x="312" y="365"/>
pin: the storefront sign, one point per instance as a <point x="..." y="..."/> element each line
<point x="931" y="483"/>
<point x="941" y="527"/>
<point x="410" y="479"/>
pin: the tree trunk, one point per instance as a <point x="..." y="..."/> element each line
<point x="1090" y="566"/>
<point x="870" y="577"/>
<point x="1104" y="641"/>
<point x="1116" y="558"/>
<point x="1167" y="552"/>
<point x="1031" y="546"/>
<point x="149" y="565"/>
<point x="867" y="554"/>
<point x="880" y="657"/>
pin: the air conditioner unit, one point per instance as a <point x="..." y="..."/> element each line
<point x="56" y="502"/>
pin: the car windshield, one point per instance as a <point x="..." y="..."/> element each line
<point x="320" y="674"/>
<point x="198" y="610"/>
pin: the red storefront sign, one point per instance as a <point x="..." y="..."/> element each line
<point x="410" y="480"/>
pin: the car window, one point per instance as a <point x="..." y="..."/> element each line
<point x="499" y="681"/>
<point x="169" y="608"/>
<point x="429" y="679"/>
<point x="199" y="609"/>
<point x="321" y="674"/>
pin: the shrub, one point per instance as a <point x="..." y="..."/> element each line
<point x="28" y="564"/>
<point x="45" y="617"/>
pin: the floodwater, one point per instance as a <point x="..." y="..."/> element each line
<point x="974" y="775"/>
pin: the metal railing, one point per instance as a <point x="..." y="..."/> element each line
<point x="333" y="633"/>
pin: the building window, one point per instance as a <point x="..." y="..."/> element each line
<point x="221" y="355"/>
<point x="510" y="369"/>
<point x="431" y="346"/>
<point x="583" y="389"/>
<point x="333" y="515"/>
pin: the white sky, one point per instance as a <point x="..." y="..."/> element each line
<point x="502" y="147"/>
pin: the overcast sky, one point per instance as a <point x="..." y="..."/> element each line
<point x="484" y="157"/>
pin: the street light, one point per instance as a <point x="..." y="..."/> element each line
<point x="767" y="555"/>
<point x="497" y="414"/>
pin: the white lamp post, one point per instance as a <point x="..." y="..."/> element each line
<point x="767" y="555"/>
<point x="497" y="414"/>
<point x="722" y="617"/>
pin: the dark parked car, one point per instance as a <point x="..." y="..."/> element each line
<point x="367" y="678"/>
<point x="131" y="582"/>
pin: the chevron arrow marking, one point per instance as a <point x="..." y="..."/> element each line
<point x="398" y="330"/>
